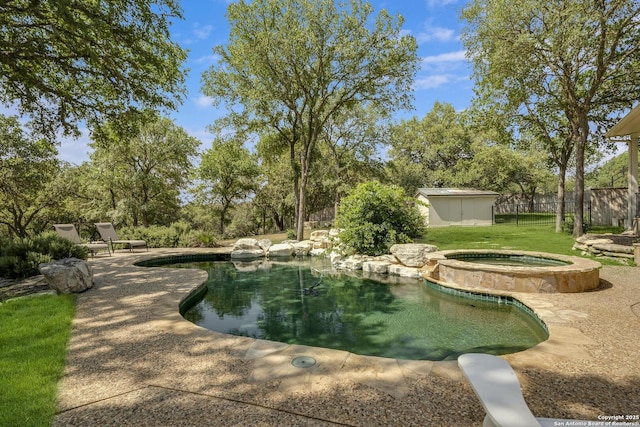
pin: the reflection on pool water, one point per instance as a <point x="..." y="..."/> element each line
<point x="407" y="319"/>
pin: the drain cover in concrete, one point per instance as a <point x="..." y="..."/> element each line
<point x="303" y="361"/>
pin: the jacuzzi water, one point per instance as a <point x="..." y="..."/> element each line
<point x="406" y="320"/>
<point x="510" y="260"/>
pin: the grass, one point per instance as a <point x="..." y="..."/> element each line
<point x="33" y="337"/>
<point x="526" y="238"/>
<point x="539" y="238"/>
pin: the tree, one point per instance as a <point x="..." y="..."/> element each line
<point x="568" y="62"/>
<point x="28" y="167"/>
<point x="142" y="165"/>
<point x="351" y="141"/>
<point x="503" y="169"/>
<point x="227" y="173"/>
<point x="376" y="216"/>
<point x="430" y="151"/>
<point x="66" y="61"/>
<point x="291" y="65"/>
<point x="274" y="194"/>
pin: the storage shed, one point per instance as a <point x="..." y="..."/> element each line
<point x="454" y="206"/>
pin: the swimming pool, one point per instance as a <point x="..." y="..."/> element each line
<point x="301" y="303"/>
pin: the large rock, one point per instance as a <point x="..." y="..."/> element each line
<point x="68" y="275"/>
<point x="247" y="248"/>
<point x="246" y="243"/>
<point x="413" y="254"/>
<point x="402" y="271"/>
<point x="354" y="262"/>
<point x="264" y="244"/>
<point x="247" y="253"/>
<point x="319" y="235"/>
<point x="303" y="248"/>
<point x="282" y="250"/>
<point x="316" y="252"/>
<point x="376" y="267"/>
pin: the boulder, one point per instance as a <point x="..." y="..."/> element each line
<point x="282" y="250"/>
<point x="354" y="262"/>
<point x="413" y="254"/>
<point x="247" y="253"/>
<point x="377" y="267"/>
<point x="334" y="232"/>
<point x="322" y="244"/>
<point x="264" y="244"/>
<point x="402" y="271"/>
<point x="612" y="247"/>
<point x="68" y="275"/>
<point x="246" y="243"/>
<point x="317" y="252"/>
<point x="303" y="248"/>
<point x="319" y="235"/>
<point x="247" y="248"/>
<point x="335" y="257"/>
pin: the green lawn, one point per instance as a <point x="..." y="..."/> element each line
<point x="540" y="238"/>
<point x="33" y="336"/>
<point x="527" y="238"/>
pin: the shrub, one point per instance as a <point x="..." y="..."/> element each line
<point x="568" y="224"/>
<point x="177" y="235"/>
<point x="20" y="258"/>
<point x="203" y="240"/>
<point x="375" y="216"/>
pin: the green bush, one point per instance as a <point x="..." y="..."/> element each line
<point x="203" y="240"/>
<point x="20" y="258"/>
<point x="177" y="235"/>
<point x="568" y="224"/>
<point x="375" y="216"/>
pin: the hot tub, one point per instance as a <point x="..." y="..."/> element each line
<point x="516" y="271"/>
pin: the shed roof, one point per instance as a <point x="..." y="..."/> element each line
<point x="628" y="125"/>
<point x="454" y="192"/>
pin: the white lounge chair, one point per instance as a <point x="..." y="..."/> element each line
<point x="109" y="235"/>
<point x="69" y="231"/>
<point x="496" y="385"/>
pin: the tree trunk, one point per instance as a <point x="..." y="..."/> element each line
<point x="562" y="174"/>
<point x="302" y="206"/>
<point x="578" y="228"/>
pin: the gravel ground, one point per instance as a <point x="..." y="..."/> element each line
<point x="132" y="360"/>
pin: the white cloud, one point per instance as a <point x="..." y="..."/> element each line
<point x="457" y="56"/>
<point x="434" y="81"/>
<point x="202" y="32"/>
<point x="435" y="33"/>
<point x="204" y="101"/>
<point x="207" y="59"/>
<point x="439" y="3"/>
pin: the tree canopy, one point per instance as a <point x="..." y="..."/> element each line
<point x="566" y="67"/>
<point x="227" y="175"/>
<point x="28" y="167"/>
<point x="291" y="65"/>
<point x="140" y="167"/>
<point x="66" y="61"/>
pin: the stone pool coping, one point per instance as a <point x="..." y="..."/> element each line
<point x="133" y="360"/>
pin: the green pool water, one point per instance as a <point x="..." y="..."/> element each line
<point x="406" y="319"/>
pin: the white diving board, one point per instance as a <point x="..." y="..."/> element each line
<point x="496" y="385"/>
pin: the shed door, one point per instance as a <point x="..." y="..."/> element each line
<point x="468" y="214"/>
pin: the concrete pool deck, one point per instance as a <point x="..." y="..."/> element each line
<point x="133" y="360"/>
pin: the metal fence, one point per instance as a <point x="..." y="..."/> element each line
<point x="536" y="213"/>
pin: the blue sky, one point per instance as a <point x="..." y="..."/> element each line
<point x="444" y="75"/>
